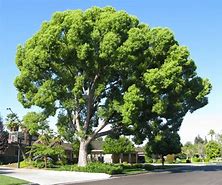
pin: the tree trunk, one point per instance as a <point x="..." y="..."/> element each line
<point x="162" y="160"/>
<point x="82" y="161"/>
<point x="121" y="158"/>
<point x="45" y="159"/>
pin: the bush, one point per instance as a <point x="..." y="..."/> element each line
<point x="41" y="164"/>
<point x="196" y="159"/>
<point x="25" y="164"/>
<point x="170" y="159"/>
<point x="96" y="168"/>
<point x="147" y="167"/>
<point x="148" y="159"/>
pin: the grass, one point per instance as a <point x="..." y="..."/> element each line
<point x="5" y="180"/>
<point x="133" y="171"/>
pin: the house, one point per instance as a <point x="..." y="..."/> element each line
<point x="10" y="155"/>
<point x="97" y="154"/>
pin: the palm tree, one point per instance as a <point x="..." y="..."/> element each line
<point x="211" y="133"/>
<point x="12" y="122"/>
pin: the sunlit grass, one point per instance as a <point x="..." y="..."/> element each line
<point x="5" y="180"/>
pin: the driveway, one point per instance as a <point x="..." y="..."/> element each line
<point x="48" y="177"/>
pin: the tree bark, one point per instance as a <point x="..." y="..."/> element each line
<point x="162" y="159"/>
<point x="82" y="161"/>
<point x="121" y="158"/>
<point x="45" y="160"/>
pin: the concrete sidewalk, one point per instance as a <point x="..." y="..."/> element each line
<point x="49" y="177"/>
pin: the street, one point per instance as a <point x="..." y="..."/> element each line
<point x="188" y="175"/>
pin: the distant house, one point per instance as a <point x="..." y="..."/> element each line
<point x="97" y="154"/>
<point x="10" y="155"/>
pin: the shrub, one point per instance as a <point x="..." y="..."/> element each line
<point x="148" y="159"/>
<point x="41" y="164"/>
<point x="196" y="159"/>
<point x="170" y="159"/>
<point x="147" y="167"/>
<point x="25" y="164"/>
<point x="99" y="168"/>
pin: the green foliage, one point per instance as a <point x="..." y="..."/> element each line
<point x="95" y="168"/>
<point x="213" y="149"/>
<point x="12" y="122"/>
<point x="188" y="149"/>
<point x="47" y="148"/>
<point x="118" y="146"/>
<point x="109" y="168"/>
<point x="65" y="128"/>
<point x="34" y="122"/>
<point x="26" y="164"/>
<point x="148" y="159"/>
<point x="103" y="64"/>
<point x="147" y="167"/>
<point x="3" y="137"/>
<point x="163" y="144"/>
<point x="196" y="159"/>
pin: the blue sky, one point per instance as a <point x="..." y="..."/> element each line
<point x="196" y="24"/>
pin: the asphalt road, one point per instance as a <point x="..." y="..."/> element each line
<point x="189" y="175"/>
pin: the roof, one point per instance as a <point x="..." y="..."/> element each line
<point x="97" y="145"/>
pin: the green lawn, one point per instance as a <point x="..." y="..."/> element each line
<point x="5" y="180"/>
<point x="133" y="171"/>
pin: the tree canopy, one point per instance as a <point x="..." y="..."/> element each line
<point x="118" y="146"/>
<point x="164" y="143"/>
<point x="103" y="67"/>
<point x="213" y="149"/>
<point x="12" y="122"/>
<point x="34" y="122"/>
<point x="48" y="146"/>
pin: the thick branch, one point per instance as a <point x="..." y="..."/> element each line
<point x="107" y="132"/>
<point x="76" y="121"/>
<point x="97" y="131"/>
<point x="90" y="104"/>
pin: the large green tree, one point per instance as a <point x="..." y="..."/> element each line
<point x="119" y="146"/>
<point x="164" y="143"/>
<point x="103" y="67"/>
